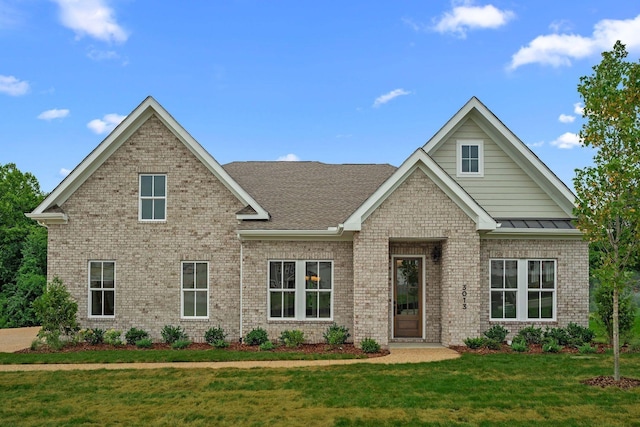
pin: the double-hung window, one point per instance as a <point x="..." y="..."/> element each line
<point x="523" y="289"/>
<point x="102" y="288"/>
<point x="153" y="197"/>
<point x="195" y="290"/>
<point x="470" y="158"/>
<point x="300" y="290"/>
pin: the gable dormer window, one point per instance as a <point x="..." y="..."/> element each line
<point x="153" y="197"/>
<point x="470" y="158"/>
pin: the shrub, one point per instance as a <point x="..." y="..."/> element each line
<point x="266" y="346"/>
<point x="559" y="335"/>
<point x="496" y="333"/>
<point x="586" y="349"/>
<point x="171" y="334"/>
<point x="492" y="344"/>
<point x="531" y="335"/>
<point x="336" y="335"/>
<point x="474" y="342"/>
<point x="579" y="334"/>
<point x="112" y="336"/>
<point x="144" y="343"/>
<point x="256" y="336"/>
<point x="293" y="338"/>
<point x="604" y="312"/>
<point x="519" y="345"/>
<point x="93" y="336"/>
<point x="56" y="311"/>
<point x="180" y="344"/>
<point x="36" y="344"/>
<point x="550" y="345"/>
<point x="369" y="345"/>
<point x="134" y="335"/>
<point x="220" y="344"/>
<point x="214" y="334"/>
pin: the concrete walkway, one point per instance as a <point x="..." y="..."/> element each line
<point x="16" y="339"/>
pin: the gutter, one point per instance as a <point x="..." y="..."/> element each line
<point x="331" y="233"/>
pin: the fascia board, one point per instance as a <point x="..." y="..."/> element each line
<point x="337" y="234"/>
<point x="420" y="159"/>
<point x="49" y="217"/>
<point x="533" y="233"/>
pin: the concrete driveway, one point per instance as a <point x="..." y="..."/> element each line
<point x="12" y="340"/>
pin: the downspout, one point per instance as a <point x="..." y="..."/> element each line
<point x="241" y="285"/>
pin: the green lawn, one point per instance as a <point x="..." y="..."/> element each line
<point x="501" y="389"/>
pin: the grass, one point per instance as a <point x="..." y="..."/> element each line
<point x="500" y="389"/>
<point x="154" y="356"/>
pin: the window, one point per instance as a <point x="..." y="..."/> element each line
<point x="523" y="289"/>
<point x="300" y="290"/>
<point x="153" y="197"/>
<point x="102" y="288"/>
<point x="470" y="158"/>
<point x="195" y="290"/>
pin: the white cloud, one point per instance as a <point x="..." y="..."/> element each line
<point x="53" y="114"/>
<point x="383" y="99"/>
<point x="93" y="18"/>
<point x="289" y="158"/>
<point x="578" y="108"/>
<point x="468" y="17"/>
<point x="565" y="118"/>
<point x="12" y="86"/>
<point x="567" y="140"/>
<point x="65" y="171"/>
<point x="560" y="49"/>
<point x="106" y="124"/>
<point x="102" y="55"/>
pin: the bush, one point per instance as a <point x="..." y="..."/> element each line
<point x="519" y="345"/>
<point x="559" y="335"/>
<point x="550" y="345"/>
<point x="93" y="336"/>
<point x="293" y="338"/>
<point x="112" y="336"/>
<point x="369" y="345"/>
<point x="220" y="344"/>
<point x="496" y="333"/>
<point x="604" y="312"/>
<point x="336" y="335"/>
<point x="492" y="344"/>
<point x="586" y="349"/>
<point x="266" y="346"/>
<point x="56" y="311"/>
<point x="214" y="334"/>
<point x="180" y="344"/>
<point x="134" y="335"/>
<point x="531" y="335"/>
<point x="257" y="336"/>
<point x="474" y="342"/>
<point x="144" y="343"/>
<point x="171" y="334"/>
<point x="579" y="335"/>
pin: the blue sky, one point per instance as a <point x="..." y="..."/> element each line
<point x="333" y="81"/>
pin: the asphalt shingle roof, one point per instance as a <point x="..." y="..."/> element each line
<point x="307" y="195"/>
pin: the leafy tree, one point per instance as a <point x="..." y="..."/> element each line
<point x="56" y="311"/>
<point x="608" y="193"/>
<point x="626" y="311"/>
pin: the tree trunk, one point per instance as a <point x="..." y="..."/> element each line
<point x="616" y="336"/>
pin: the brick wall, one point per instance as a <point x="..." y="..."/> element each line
<point x="103" y="225"/>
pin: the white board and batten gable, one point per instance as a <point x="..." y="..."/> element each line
<point x="48" y="211"/>
<point x="509" y="181"/>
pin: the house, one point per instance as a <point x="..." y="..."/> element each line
<point x="470" y="231"/>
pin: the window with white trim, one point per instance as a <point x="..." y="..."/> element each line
<point x="523" y="289"/>
<point x="102" y="288"/>
<point x="153" y="197"/>
<point x="301" y="290"/>
<point x="195" y="290"/>
<point x="470" y="158"/>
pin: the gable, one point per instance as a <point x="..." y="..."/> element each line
<point x="515" y="183"/>
<point x="504" y="190"/>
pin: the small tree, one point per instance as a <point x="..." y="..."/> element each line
<point x="56" y="311"/>
<point x="608" y="193"/>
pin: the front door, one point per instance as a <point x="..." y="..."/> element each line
<point x="407" y="297"/>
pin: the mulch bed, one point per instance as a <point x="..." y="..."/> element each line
<point x="304" y="348"/>
<point x="624" y="383"/>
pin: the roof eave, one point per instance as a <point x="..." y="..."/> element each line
<point x="49" y="218"/>
<point x="529" y="233"/>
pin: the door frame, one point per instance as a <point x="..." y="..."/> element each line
<point x="423" y="311"/>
